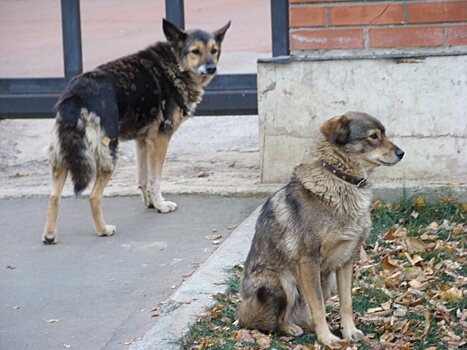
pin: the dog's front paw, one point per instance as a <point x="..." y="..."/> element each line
<point x="331" y="340"/>
<point x="49" y="238"/>
<point x="108" y="230"/>
<point x="165" y="206"/>
<point x="353" y="333"/>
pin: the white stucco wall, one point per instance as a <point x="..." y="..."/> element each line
<point x="421" y="101"/>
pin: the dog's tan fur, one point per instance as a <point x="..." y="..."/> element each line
<point x="309" y="232"/>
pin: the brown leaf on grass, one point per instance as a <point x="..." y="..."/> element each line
<point x="263" y="340"/>
<point x="243" y="335"/>
<point x="387" y="264"/>
<point x="458" y="230"/>
<point x="414" y="245"/>
<point x="215" y="311"/>
<point x="413" y="260"/>
<point x="386" y="305"/>
<point x="387" y="337"/>
<point x="415" y="284"/>
<point x="406" y="326"/>
<point x="426" y="315"/>
<point x="301" y="347"/>
<point x="427" y="237"/>
<point x="412" y="273"/>
<point x="419" y="201"/>
<point x="389" y="235"/>
<point x="373" y="310"/>
<point x="363" y="256"/>
<point x="452" y="294"/>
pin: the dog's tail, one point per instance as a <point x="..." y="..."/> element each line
<point x="71" y="130"/>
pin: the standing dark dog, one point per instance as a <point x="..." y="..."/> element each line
<point x="145" y="97"/>
<point x="309" y="232"/>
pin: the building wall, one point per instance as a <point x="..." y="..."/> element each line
<point x="421" y="101"/>
<point x="401" y="61"/>
<point x="348" y="24"/>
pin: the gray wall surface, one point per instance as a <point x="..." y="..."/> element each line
<point x="421" y="101"/>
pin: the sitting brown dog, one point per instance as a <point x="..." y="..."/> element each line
<point x="309" y="232"/>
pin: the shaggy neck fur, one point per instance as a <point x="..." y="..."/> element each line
<point x="330" y="188"/>
<point x="340" y="159"/>
<point x="188" y="86"/>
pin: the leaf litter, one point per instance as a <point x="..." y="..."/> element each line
<point x="409" y="288"/>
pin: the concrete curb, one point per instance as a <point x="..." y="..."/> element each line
<point x="194" y="296"/>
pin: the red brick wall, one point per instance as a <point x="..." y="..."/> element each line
<point x="350" y="24"/>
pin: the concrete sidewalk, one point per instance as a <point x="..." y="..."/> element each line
<point x="97" y="293"/>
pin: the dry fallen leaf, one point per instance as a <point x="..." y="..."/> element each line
<point x="301" y="347"/>
<point x="212" y="237"/>
<point x="426" y="315"/>
<point x="415" y="284"/>
<point x="263" y="340"/>
<point x="387" y="264"/>
<point x="363" y="256"/>
<point x="243" y="335"/>
<point x="389" y="235"/>
<point x="420" y="201"/>
<point x="415" y="245"/>
<point x="372" y="310"/>
<point x="386" y="305"/>
<point x="458" y="230"/>
<point x="452" y="294"/>
<point x="53" y="320"/>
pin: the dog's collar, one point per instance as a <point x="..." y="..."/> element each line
<point x="357" y="181"/>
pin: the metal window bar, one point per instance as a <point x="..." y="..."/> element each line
<point x="71" y="36"/>
<point x="228" y="94"/>
<point x="175" y="12"/>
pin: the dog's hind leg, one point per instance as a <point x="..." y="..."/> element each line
<point x="142" y="169"/>
<point x="158" y="144"/>
<point x="49" y="235"/>
<point x="95" y="201"/>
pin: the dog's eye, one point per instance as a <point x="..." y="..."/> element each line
<point x="214" y="51"/>
<point x="373" y="136"/>
<point x="196" y="52"/>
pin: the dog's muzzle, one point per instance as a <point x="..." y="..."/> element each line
<point x="399" y="153"/>
<point x="207" y="69"/>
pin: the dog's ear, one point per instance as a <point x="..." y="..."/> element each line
<point x="220" y="33"/>
<point x="172" y="32"/>
<point x="336" y="130"/>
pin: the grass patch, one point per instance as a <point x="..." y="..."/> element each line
<point x="416" y="301"/>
